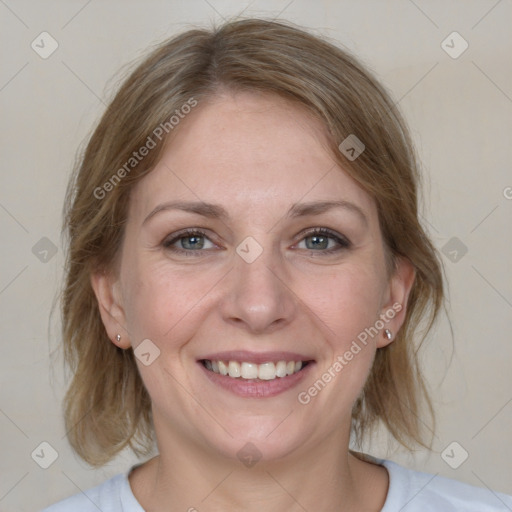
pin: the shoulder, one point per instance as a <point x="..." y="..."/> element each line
<point x="113" y="495"/>
<point x="414" y="491"/>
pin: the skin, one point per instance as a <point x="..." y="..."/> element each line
<point x="255" y="155"/>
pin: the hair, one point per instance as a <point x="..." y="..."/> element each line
<point x="107" y="406"/>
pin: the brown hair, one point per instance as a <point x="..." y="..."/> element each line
<point x="106" y="405"/>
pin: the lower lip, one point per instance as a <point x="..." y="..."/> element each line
<point x="252" y="388"/>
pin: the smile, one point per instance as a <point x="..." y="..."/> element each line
<point x="250" y="371"/>
<point x="256" y="375"/>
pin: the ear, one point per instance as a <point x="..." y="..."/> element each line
<point x="394" y="308"/>
<point x="106" y="289"/>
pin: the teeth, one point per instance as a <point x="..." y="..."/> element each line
<point x="234" y="369"/>
<point x="223" y="369"/>
<point x="249" y="371"/>
<point x="281" y="369"/>
<point x="267" y="371"/>
<point x="245" y="370"/>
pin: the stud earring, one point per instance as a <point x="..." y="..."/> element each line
<point x="118" y="338"/>
<point x="388" y="334"/>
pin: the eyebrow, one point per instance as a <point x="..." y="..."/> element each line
<point x="214" y="211"/>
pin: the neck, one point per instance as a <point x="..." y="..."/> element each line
<point x="192" y="479"/>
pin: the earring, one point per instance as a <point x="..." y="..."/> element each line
<point x="118" y="338"/>
<point x="388" y="334"/>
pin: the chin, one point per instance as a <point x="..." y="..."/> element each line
<point x="260" y="439"/>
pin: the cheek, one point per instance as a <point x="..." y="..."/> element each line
<point x="347" y="301"/>
<point x="159" y="299"/>
<point x="146" y="300"/>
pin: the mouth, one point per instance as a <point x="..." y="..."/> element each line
<point x="252" y="371"/>
<point x="252" y="375"/>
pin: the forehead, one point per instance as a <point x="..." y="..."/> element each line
<point x="244" y="150"/>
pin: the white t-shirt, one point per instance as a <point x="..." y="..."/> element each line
<point x="409" y="491"/>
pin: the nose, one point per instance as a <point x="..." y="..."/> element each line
<point x="258" y="297"/>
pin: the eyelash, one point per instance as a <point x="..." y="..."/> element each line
<point x="343" y="242"/>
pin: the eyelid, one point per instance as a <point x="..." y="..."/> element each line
<point x="342" y="241"/>
<point x="184" y="233"/>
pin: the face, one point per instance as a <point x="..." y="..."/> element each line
<point x="248" y="249"/>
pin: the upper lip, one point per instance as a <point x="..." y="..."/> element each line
<point x="256" y="357"/>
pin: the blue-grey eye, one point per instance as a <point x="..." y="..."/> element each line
<point x="192" y="242"/>
<point x="317" y="242"/>
<point x="322" y="239"/>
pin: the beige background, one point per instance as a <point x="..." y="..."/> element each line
<point x="460" y="114"/>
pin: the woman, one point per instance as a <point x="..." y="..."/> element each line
<point x="246" y="274"/>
